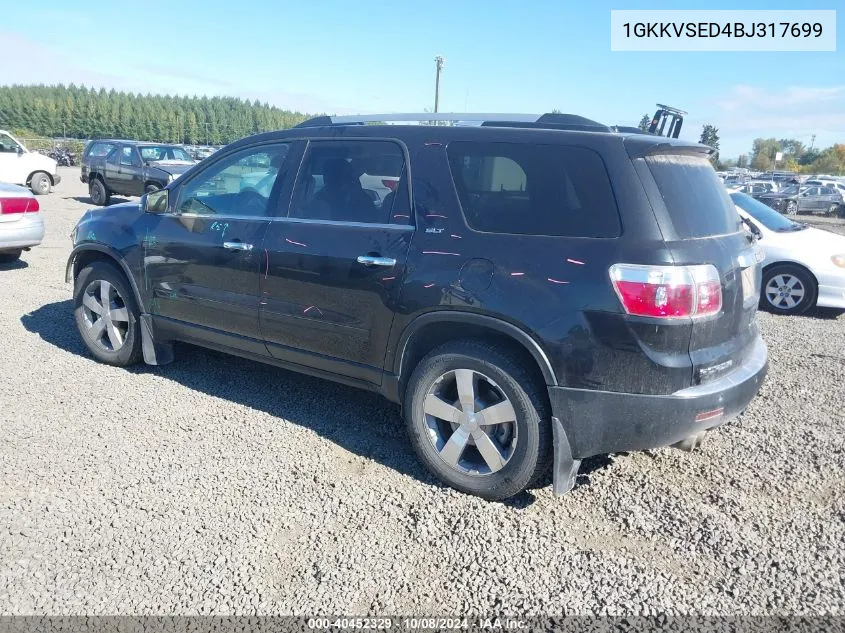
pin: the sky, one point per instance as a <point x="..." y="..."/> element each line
<point x="371" y="57"/>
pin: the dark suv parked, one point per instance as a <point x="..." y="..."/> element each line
<point x="130" y="168"/>
<point x="528" y="292"/>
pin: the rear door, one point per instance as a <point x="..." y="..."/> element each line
<point x="701" y="226"/>
<point x="335" y="265"/>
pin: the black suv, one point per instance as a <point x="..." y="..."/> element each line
<point x="530" y="291"/>
<point x="130" y="168"/>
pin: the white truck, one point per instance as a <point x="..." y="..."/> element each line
<point x="19" y="166"/>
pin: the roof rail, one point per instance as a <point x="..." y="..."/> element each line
<point x="546" y="121"/>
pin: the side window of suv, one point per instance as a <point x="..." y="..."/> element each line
<point x="351" y="181"/>
<point x="100" y="149"/>
<point x="128" y="157"/>
<point x="240" y="184"/>
<point x="530" y="189"/>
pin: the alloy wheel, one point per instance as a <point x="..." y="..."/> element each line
<point x="785" y="291"/>
<point x="471" y="422"/>
<point x="105" y="315"/>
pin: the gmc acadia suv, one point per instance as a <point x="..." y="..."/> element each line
<point x="532" y="291"/>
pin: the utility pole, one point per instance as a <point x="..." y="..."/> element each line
<point x="207" y="142"/>
<point x="812" y="141"/>
<point x="439" y="61"/>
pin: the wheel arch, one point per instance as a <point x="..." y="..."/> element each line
<point x="39" y="171"/>
<point x="432" y="329"/>
<point x="86" y="254"/>
<point x="789" y="262"/>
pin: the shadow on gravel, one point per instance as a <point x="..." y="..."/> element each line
<point x="363" y="423"/>
<point x="87" y="200"/>
<point x="15" y="265"/>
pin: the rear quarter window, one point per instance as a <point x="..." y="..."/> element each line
<point x="697" y="203"/>
<point x="100" y="149"/>
<point x="530" y="189"/>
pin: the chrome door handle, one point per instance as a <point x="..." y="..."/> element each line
<point x="369" y="260"/>
<point x="237" y="246"/>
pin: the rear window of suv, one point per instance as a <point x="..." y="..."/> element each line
<point x="100" y="149"/>
<point x="530" y="189"/>
<point x="697" y="202"/>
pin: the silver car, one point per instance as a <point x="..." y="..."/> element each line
<point x="21" y="223"/>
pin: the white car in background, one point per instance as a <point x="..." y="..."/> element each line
<point x="803" y="267"/>
<point x="21" y="223"/>
<point x="19" y="166"/>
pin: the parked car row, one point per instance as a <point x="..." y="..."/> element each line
<point x="804" y="199"/>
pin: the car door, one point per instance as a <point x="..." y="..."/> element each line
<point x="335" y="264"/>
<point x="809" y="200"/>
<point x="111" y="169"/>
<point x="202" y="257"/>
<point x="12" y="162"/>
<point x="129" y="171"/>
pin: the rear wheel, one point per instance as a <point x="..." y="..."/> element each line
<point x="788" y="289"/>
<point x="10" y="256"/>
<point x="478" y="420"/>
<point x="99" y="193"/>
<point x="107" y="316"/>
<point x="40" y="183"/>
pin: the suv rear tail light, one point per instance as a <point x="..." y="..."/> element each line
<point x="18" y="205"/>
<point x="668" y="291"/>
<point x="390" y="184"/>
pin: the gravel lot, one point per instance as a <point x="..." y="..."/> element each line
<point x="216" y="485"/>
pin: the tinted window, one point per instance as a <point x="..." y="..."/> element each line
<point x="534" y="189"/>
<point x="239" y="184"/>
<point x="163" y="152"/>
<point x="100" y="149"/>
<point x="765" y="215"/>
<point x="697" y="203"/>
<point x="127" y="156"/>
<point x="827" y="191"/>
<point x="351" y="181"/>
<point x="8" y="144"/>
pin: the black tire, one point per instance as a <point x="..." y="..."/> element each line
<point x="530" y="458"/>
<point x="792" y="208"/>
<point x="40" y="183"/>
<point x="832" y="211"/>
<point x="99" y="193"/>
<point x="10" y="257"/>
<point x="780" y="305"/>
<point x="151" y="188"/>
<point x="129" y="352"/>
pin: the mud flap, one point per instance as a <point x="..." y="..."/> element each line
<point x="565" y="467"/>
<point x="154" y="353"/>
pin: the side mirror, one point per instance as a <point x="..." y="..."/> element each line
<point x="156" y="202"/>
<point x="19" y="150"/>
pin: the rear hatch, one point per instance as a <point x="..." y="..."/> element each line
<point x="700" y="225"/>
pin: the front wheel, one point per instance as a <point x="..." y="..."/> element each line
<point x="106" y="314"/>
<point x="792" y="208"/>
<point x="98" y="192"/>
<point x="40" y="183"/>
<point x="151" y="188"/>
<point x="788" y="289"/>
<point x="478" y="420"/>
<point x="831" y="211"/>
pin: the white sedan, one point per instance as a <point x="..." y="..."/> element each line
<point x="21" y="224"/>
<point x="803" y="266"/>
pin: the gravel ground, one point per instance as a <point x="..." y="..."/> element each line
<point x="216" y="485"/>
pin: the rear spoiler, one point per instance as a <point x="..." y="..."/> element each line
<point x="641" y="145"/>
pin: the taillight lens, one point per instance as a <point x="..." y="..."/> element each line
<point x="668" y="291"/>
<point x="9" y="206"/>
<point x="390" y="184"/>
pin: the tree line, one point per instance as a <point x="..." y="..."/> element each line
<point x="79" y="112"/>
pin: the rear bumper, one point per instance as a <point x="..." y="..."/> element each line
<point x="599" y="422"/>
<point x="28" y="231"/>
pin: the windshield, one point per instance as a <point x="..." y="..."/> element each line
<point x="163" y="152"/>
<point x="765" y="215"/>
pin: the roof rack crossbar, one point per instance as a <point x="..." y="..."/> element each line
<point x="538" y="120"/>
